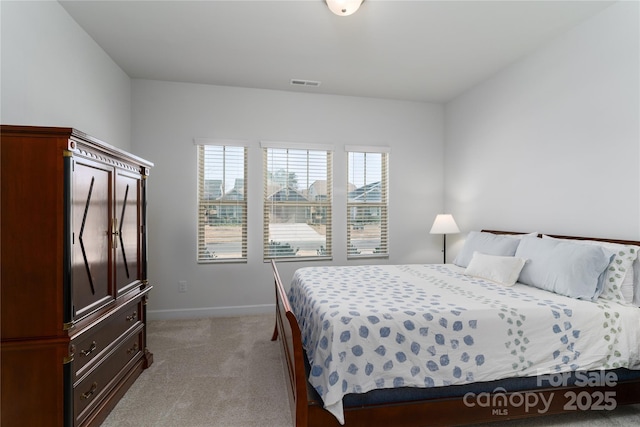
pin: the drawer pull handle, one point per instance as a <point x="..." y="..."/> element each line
<point x="90" y="350"/>
<point x="133" y="349"/>
<point x="89" y="393"/>
<point x="133" y="316"/>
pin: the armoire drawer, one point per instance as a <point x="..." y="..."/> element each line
<point x="98" y="339"/>
<point x="99" y="382"/>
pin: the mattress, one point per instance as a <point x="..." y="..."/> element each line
<point x="396" y="326"/>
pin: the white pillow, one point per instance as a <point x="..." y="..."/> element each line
<point x="520" y="236"/>
<point x="629" y="286"/>
<point x="636" y="282"/>
<point x="486" y="243"/>
<point x="619" y="282"/>
<point x="618" y="279"/>
<point x="500" y="269"/>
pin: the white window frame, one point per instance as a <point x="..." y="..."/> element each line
<point x="316" y="212"/>
<point x="381" y="206"/>
<point x="203" y="255"/>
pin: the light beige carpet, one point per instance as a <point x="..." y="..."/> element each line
<point x="225" y="372"/>
<point x="208" y="372"/>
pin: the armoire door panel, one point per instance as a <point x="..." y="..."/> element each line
<point x="127" y="251"/>
<point x="92" y="215"/>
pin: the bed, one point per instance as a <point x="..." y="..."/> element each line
<point x="470" y="347"/>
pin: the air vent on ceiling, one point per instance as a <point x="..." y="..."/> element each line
<point x="300" y="82"/>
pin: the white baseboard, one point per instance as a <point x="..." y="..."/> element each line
<point x="198" y="313"/>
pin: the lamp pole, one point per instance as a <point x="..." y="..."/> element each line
<point x="444" y="248"/>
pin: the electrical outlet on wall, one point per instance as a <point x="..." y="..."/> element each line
<point x="182" y="286"/>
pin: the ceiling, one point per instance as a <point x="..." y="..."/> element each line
<point x="410" y="50"/>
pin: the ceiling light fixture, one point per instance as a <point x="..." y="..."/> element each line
<point x="343" y="7"/>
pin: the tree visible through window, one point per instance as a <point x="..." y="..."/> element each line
<point x="222" y="203"/>
<point x="297" y="201"/>
<point x="367" y="203"/>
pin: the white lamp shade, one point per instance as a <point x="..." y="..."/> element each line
<point x="444" y="224"/>
<point x="344" y="7"/>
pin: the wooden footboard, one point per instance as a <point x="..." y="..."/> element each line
<point x="307" y="411"/>
<point x="289" y="332"/>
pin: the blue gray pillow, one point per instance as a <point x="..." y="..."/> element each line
<point x="485" y="243"/>
<point x="566" y="268"/>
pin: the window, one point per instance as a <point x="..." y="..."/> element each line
<point x="367" y="202"/>
<point x="222" y="202"/>
<point x="297" y="201"/>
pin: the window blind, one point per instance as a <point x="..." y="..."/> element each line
<point x="222" y="202"/>
<point x="367" y="203"/>
<point x="297" y="201"/>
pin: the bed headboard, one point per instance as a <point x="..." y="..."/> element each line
<point x="557" y="236"/>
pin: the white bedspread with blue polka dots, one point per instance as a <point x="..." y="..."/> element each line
<point x="383" y="326"/>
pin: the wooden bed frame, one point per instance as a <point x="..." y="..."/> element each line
<point x="307" y="409"/>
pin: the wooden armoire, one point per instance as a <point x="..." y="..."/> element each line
<point x="74" y="276"/>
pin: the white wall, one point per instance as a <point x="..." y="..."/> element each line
<point x="54" y="74"/>
<point x="166" y="118"/>
<point x="552" y="144"/>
